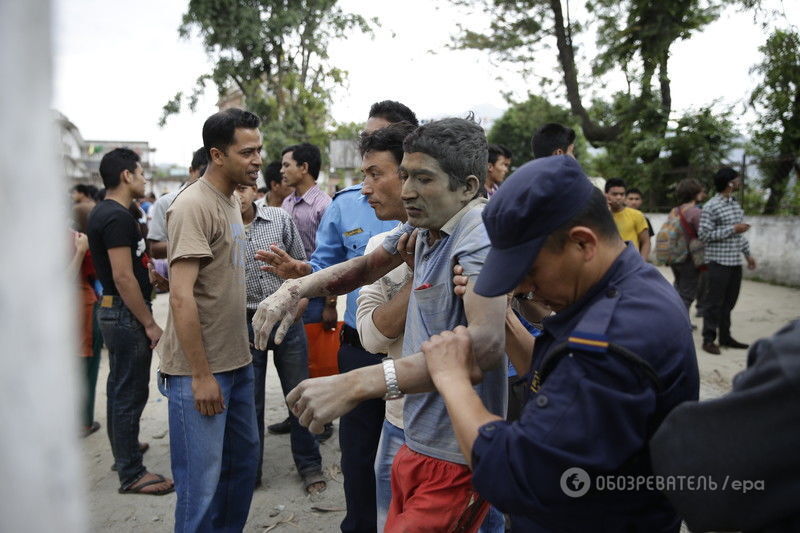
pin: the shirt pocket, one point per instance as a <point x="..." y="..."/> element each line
<point x="433" y="307"/>
<point x="355" y="240"/>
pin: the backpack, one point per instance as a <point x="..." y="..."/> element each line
<point x="671" y="244"/>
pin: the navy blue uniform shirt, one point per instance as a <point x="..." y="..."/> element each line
<point x="595" y="410"/>
<point x="342" y="234"/>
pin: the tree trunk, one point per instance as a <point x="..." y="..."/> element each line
<point x="595" y="133"/>
<point x="777" y="182"/>
<point x="790" y="151"/>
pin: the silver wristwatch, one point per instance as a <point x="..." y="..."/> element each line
<point x="390" y="376"/>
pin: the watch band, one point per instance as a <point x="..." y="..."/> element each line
<point x="390" y="376"/>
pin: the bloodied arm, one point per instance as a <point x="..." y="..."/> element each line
<point x="320" y="400"/>
<point x="281" y="306"/>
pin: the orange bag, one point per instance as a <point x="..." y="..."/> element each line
<point x="323" y="350"/>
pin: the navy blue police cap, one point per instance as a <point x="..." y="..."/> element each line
<point x="534" y="201"/>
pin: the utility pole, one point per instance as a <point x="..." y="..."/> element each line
<point x="43" y="484"/>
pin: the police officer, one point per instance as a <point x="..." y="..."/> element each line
<point x="343" y="233"/>
<point x="612" y="362"/>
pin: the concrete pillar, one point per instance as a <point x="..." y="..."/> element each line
<point x="42" y="484"/>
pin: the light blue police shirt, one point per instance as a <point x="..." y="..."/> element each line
<point x="347" y="225"/>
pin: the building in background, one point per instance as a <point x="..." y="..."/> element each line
<point x="345" y="163"/>
<point x="80" y="158"/>
<point x="96" y="149"/>
<point x="71" y="151"/>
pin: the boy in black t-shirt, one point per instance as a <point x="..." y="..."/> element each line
<point x="124" y="315"/>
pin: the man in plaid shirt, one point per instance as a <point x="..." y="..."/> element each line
<point x="721" y="230"/>
<point x="265" y="226"/>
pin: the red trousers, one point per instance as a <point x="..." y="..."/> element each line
<point x="432" y="495"/>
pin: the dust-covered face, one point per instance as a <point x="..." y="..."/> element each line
<point x="427" y="197"/>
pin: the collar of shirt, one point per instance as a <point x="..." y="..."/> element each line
<point x="724" y="199"/>
<point x="232" y="200"/>
<point x="451" y="224"/>
<point x="309" y="197"/>
<point x="558" y="325"/>
<point x="263" y="212"/>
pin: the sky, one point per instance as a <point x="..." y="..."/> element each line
<point x="117" y="63"/>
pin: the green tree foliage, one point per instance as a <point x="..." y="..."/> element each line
<point x="516" y="126"/>
<point x="776" y="99"/>
<point x="695" y="145"/>
<point x="274" y="53"/>
<point x="634" y="36"/>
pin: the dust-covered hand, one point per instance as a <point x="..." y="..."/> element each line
<point x="317" y="401"/>
<point x="281" y="307"/>
<point x="406" y="246"/>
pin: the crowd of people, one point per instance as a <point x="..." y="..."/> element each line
<point x="492" y="341"/>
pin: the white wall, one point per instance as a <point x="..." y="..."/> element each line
<point x="774" y="242"/>
<point x="42" y="484"/>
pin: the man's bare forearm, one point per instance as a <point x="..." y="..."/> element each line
<point x="390" y="318"/>
<point x="348" y="276"/>
<point x="412" y="371"/>
<point x="644" y="244"/>
<point x="131" y="295"/>
<point x="187" y="328"/>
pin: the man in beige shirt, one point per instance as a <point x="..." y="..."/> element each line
<point x="205" y="357"/>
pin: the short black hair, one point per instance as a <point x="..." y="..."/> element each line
<point x="595" y="215"/>
<point x="495" y="151"/>
<point x="634" y="190"/>
<point x="220" y="128"/>
<point x="92" y="191"/>
<point x="388" y="139"/>
<point x="306" y="153"/>
<point x="507" y="153"/>
<point x="199" y="160"/>
<point x="550" y="137"/>
<point x="262" y="190"/>
<point x="458" y="145"/>
<point x="687" y="189"/>
<point x="614" y="182"/>
<point x="724" y="176"/>
<point x="114" y="163"/>
<point x="272" y="173"/>
<point x="393" y="111"/>
<point x="83" y="189"/>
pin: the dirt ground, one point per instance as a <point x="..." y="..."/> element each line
<point x="281" y="504"/>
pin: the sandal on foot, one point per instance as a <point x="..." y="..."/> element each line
<point x="136" y="487"/>
<point x="312" y="478"/>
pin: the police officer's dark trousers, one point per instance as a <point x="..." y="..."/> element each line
<point x="359" y="433"/>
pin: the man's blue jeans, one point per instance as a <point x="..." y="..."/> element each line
<point x="214" y="458"/>
<point x="129" y="358"/>
<point x="291" y="362"/>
